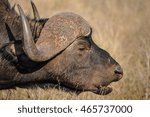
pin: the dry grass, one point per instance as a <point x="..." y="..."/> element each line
<point x="121" y="27"/>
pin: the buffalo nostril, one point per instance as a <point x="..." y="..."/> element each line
<point x="118" y="70"/>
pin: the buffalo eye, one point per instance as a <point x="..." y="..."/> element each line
<point x="84" y="45"/>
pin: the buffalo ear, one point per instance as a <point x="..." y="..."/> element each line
<point x="9" y="32"/>
<point x="16" y="43"/>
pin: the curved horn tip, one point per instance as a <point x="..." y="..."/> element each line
<point x="22" y="15"/>
<point x="35" y="11"/>
<point x="20" y="9"/>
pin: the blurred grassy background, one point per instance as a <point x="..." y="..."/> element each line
<point x="119" y="26"/>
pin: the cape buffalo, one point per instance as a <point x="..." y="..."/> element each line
<point x="59" y="50"/>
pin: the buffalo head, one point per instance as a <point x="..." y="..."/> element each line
<point x="70" y="56"/>
<point x="73" y="58"/>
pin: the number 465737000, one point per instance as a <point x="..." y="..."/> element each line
<point x="107" y="109"/>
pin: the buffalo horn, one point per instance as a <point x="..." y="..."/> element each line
<point x="35" y="11"/>
<point x="29" y="46"/>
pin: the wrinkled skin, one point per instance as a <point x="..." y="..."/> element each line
<point x="80" y="66"/>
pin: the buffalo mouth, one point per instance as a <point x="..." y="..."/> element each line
<point x="103" y="90"/>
